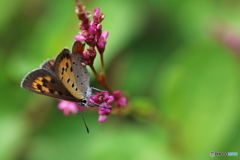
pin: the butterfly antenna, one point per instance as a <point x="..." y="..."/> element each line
<point x="84" y="122"/>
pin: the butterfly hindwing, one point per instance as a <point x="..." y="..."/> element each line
<point x="81" y="73"/>
<point x="48" y="65"/>
<point x="43" y="82"/>
<point x="64" y="71"/>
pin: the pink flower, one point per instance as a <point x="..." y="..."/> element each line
<point x="103" y="101"/>
<point x="68" y="107"/>
<point x="97" y="17"/>
<point x="80" y="38"/>
<point x="89" y="56"/>
<point x="102" y="42"/>
<point x="92" y="33"/>
<point x="102" y="118"/>
<point x="120" y="100"/>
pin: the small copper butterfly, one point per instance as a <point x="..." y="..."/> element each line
<point x="65" y="77"/>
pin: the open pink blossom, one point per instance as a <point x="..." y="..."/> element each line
<point x="68" y="107"/>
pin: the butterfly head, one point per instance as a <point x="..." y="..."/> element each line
<point x="84" y="102"/>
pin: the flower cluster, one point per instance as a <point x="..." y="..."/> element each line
<point x="103" y="99"/>
<point x="93" y="36"/>
<point x="92" y="33"/>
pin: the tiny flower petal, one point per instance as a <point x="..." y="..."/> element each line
<point x="109" y="99"/>
<point x="122" y="101"/>
<point x="92" y="30"/>
<point x="96" y="11"/>
<point x="101" y="44"/>
<point x="99" y="26"/>
<point x="80" y="38"/>
<point x="102" y="118"/>
<point x="102" y="99"/>
<point x="105" y="35"/>
<point x="68" y="107"/>
<point x="117" y="93"/>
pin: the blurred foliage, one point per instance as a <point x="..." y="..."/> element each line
<point x="182" y="82"/>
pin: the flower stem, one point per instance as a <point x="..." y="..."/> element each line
<point x="102" y="65"/>
<point x="94" y="71"/>
<point x="101" y="79"/>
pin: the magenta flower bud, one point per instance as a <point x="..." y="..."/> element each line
<point x="92" y="30"/>
<point x="92" y="24"/>
<point x="104" y="35"/>
<point x="102" y="99"/>
<point x="88" y="14"/>
<point x="102" y="41"/>
<point x="101" y="44"/>
<point x="68" y="107"/>
<point x="102" y="118"/>
<point x="99" y="26"/>
<point x="89" y="56"/>
<point x="80" y="38"/>
<point x="122" y="101"/>
<point x="119" y="99"/>
<point x="96" y="11"/>
<point x="97" y="17"/>
<point x="109" y="99"/>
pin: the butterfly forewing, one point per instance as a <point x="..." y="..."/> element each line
<point x="64" y="71"/>
<point x="44" y="82"/>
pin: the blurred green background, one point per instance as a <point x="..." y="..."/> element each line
<point x="177" y="61"/>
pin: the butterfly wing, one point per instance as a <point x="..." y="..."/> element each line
<point x="64" y="71"/>
<point x="43" y="82"/>
<point x="48" y="65"/>
<point x="81" y="73"/>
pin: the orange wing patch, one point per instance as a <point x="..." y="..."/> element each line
<point x="67" y="77"/>
<point x="40" y="84"/>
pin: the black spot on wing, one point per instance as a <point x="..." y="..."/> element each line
<point x="52" y="81"/>
<point x="51" y="91"/>
<point x="44" y="81"/>
<point x="68" y="80"/>
<point x="60" y="93"/>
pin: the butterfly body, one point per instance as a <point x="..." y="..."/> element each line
<point x="64" y="77"/>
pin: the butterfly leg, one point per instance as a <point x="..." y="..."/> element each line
<point x="98" y="89"/>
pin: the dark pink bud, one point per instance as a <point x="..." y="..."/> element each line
<point x="96" y="11"/>
<point x="89" y="56"/>
<point x="98" y="17"/>
<point x="104" y="35"/>
<point x="103" y="100"/>
<point x="80" y="38"/>
<point x="102" y="40"/>
<point x="102" y="118"/>
<point x="92" y="30"/>
<point x="119" y="99"/>
<point x="99" y="26"/>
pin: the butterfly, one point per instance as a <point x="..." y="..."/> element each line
<point x="65" y="77"/>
